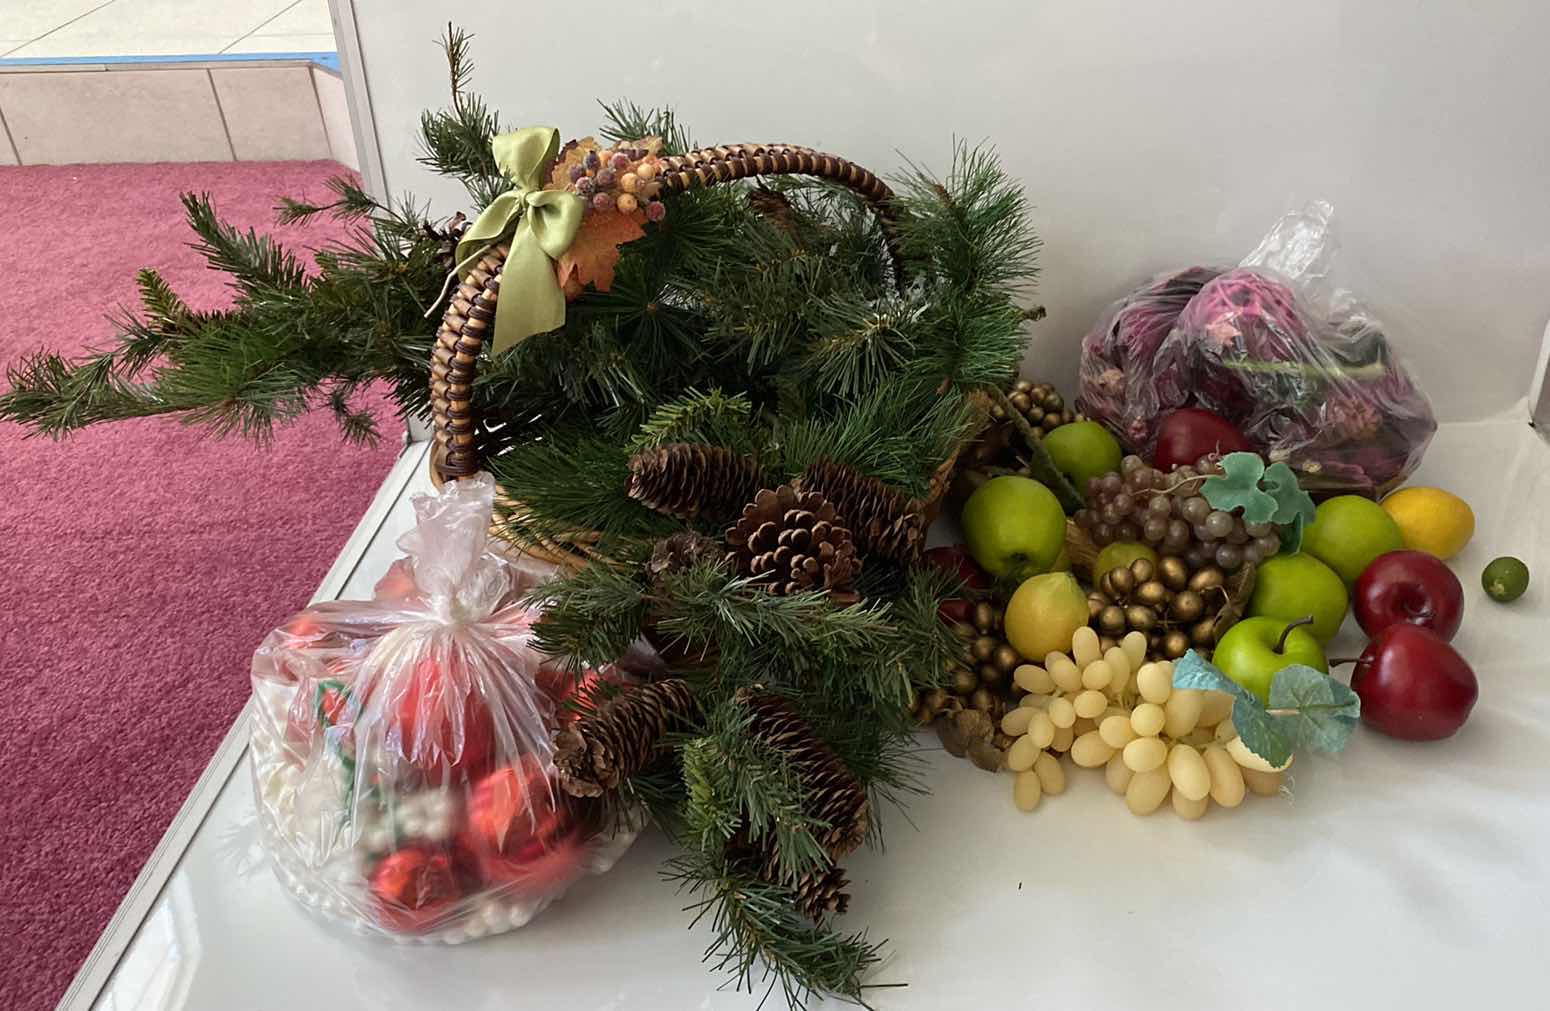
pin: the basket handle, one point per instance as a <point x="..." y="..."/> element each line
<point x="471" y="313"/>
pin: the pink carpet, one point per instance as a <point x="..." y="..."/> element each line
<point x="142" y="562"/>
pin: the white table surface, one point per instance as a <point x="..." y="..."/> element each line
<point x="1397" y="876"/>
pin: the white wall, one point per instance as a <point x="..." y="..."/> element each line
<point x="1149" y="134"/>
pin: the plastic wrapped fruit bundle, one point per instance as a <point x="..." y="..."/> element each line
<point x="1117" y="353"/>
<point x="402" y="746"/>
<point x="1307" y="375"/>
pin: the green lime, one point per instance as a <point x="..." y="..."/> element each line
<point x="1505" y="579"/>
<point x="1083" y="450"/>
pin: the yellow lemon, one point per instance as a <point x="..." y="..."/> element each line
<point x="1432" y="520"/>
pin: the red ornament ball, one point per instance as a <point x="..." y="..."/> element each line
<point x="520" y="831"/>
<point x="412" y="888"/>
<point x="441" y="725"/>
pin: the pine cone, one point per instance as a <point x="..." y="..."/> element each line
<point x="449" y="234"/>
<point x="685" y="480"/>
<point x="620" y="737"/>
<point x="793" y="541"/>
<point x="884" y="521"/>
<point x="815" y="894"/>
<point x="834" y="796"/>
<point x="773" y="205"/>
<point x="679" y="552"/>
<point x="822" y="892"/>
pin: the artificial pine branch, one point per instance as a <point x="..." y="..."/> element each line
<point x="455" y="142"/>
<point x="257" y="263"/>
<point x="351" y="202"/>
<point x="756" y="925"/>
<point x="712" y="417"/>
<point x="972" y="226"/>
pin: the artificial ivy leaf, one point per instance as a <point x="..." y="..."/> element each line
<point x="1314" y="709"/>
<point x="1194" y="671"/>
<point x="1291" y="536"/>
<point x="1265" y="735"/>
<point x="1261" y="732"/>
<point x="1292" y="503"/>
<point x="1238" y="487"/>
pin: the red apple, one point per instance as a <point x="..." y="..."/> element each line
<point x="955" y="560"/>
<point x="1409" y="586"/>
<point x="1413" y="685"/>
<point x="1192" y="432"/>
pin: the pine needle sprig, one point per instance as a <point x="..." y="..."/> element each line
<point x="591" y="616"/>
<point x="972" y="226"/>
<point x="258" y="264"/>
<point x="351" y="202"/>
<point x="736" y="783"/>
<point x="860" y="345"/>
<point x="754" y="925"/>
<point x="898" y="432"/>
<point x="455" y="142"/>
<point x="625" y="121"/>
<point x="712" y="417"/>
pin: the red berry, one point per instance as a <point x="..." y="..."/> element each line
<point x="656" y="210"/>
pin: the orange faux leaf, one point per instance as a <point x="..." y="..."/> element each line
<point x="573" y="153"/>
<point x="592" y="257"/>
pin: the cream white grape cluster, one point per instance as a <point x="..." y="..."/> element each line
<point x="1112" y="709"/>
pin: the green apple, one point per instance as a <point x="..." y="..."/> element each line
<point x="1348" y="532"/>
<point x="1254" y="649"/>
<point x="1291" y="586"/>
<point x="1082" y="450"/>
<point x="1014" y="527"/>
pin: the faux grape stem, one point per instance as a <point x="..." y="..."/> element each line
<point x="1040" y="465"/>
<point x="1281" y="642"/>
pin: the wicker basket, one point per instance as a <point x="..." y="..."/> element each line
<point x="463" y="440"/>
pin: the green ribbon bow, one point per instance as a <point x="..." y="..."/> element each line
<point x="542" y="225"/>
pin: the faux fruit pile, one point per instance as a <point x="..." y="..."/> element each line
<point x="1207" y="565"/>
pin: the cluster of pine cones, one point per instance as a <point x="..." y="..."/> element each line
<point x="809" y="534"/>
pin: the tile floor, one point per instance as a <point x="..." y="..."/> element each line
<point x="108" y="28"/>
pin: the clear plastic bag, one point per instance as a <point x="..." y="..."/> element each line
<point x="1303" y="369"/>
<point x="402" y="746"/>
